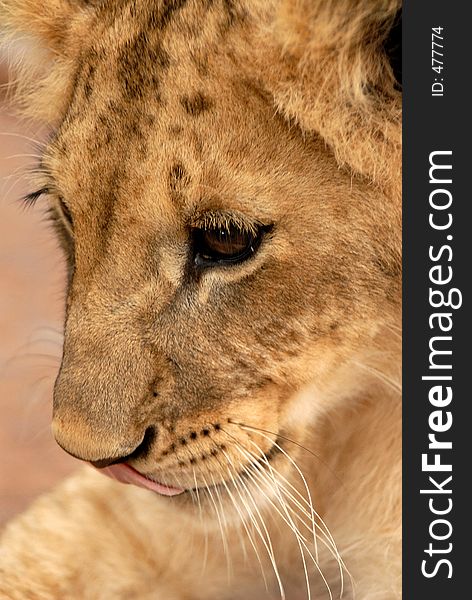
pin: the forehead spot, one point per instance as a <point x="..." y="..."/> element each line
<point x="175" y="130"/>
<point x="88" y="76"/>
<point x="159" y="18"/>
<point x="119" y="118"/>
<point x="196" y="105"/>
<point x="178" y="177"/>
<point x="140" y="64"/>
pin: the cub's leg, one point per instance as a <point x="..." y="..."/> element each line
<point x="93" y="538"/>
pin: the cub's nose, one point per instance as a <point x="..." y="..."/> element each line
<point x="97" y="451"/>
<point x="141" y="451"/>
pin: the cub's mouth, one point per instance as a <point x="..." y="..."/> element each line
<point x="127" y="474"/>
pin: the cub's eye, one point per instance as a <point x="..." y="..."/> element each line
<point x="225" y="244"/>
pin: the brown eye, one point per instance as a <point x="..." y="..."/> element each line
<point x="225" y="245"/>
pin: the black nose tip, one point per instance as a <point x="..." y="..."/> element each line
<point x="106" y="462"/>
<point x="140" y="452"/>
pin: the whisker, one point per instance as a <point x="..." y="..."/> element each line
<point x="12" y="156"/>
<point x="324" y="530"/>
<point x="223" y="536"/>
<point x="21" y="136"/>
<point x="300" y="542"/>
<point x="205" y="548"/>
<point x="294" y="528"/>
<point x="305" y="483"/>
<point x="326" y="542"/>
<point x="267" y="542"/>
<point x="243" y="521"/>
<point x="312" y="518"/>
<point x="223" y="482"/>
<point x="329" y="545"/>
<point x="381" y="376"/>
<point x="260" y="475"/>
<point x="224" y="530"/>
<point x="329" y="542"/>
<point x="287" y="439"/>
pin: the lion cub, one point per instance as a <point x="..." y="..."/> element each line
<point x="224" y="177"/>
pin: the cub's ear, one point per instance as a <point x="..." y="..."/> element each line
<point x="338" y="74"/>
<point x="41" y="39"/>
<point x="48" y="21"/>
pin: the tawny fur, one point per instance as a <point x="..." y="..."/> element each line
<point x="167" y="115"/>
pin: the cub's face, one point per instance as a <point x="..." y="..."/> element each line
<point x="220" y="260"/>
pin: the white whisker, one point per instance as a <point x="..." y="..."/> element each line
<point x="300" y="543"/>
<point x="223" y="482"/>
<point x="267" y="542"/>
<point x="243" y="521"/>
<point x="381" y="376"/>
<point x="225" y="528"/>
<point x="309" y="503"/>
<point x="329" y="542"/>
<point x="205" y="549"/>
<point x="223" y="536"/>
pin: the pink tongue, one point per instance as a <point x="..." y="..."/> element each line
<point x="126" y="474"/>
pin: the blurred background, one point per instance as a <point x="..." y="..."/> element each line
<point x="31" y="313"/>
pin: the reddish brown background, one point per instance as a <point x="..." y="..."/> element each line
<point x="31" y="298"/>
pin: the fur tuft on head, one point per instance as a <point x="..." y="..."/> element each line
<point x="41" y="41"/>
<point x="48" y="21"/>
<point x="334" y="76"/>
